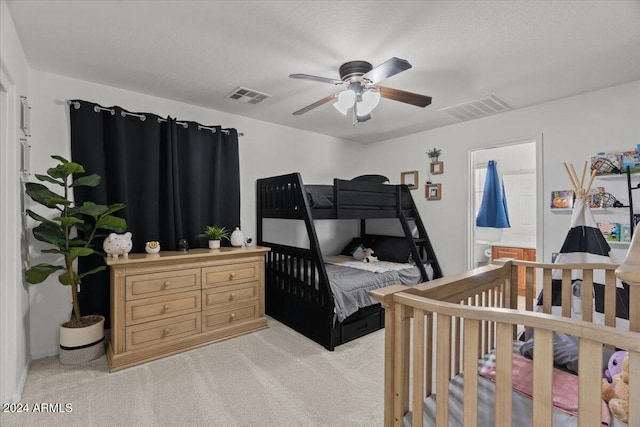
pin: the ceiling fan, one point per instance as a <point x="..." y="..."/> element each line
<point x="363" y="93"/>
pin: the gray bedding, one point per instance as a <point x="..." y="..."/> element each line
<point x="521" y="409"/>
<point x="351" y="286"/>
<point x="522" y="406"/>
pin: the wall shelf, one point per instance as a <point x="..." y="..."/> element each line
<point x="611" y="210"/>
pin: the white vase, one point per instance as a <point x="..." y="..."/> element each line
<point x="237" y="237"/>
<point x="214" y="244"/>
<point x="81" y="345"/>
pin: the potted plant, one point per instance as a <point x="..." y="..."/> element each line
<point x="72" y="233"/>
<point x="215" y="234"/>
<point x="433" y="154"/>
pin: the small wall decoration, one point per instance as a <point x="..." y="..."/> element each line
<point x="433" y="191"/>
<point x="436" y="168"/>
<point x="410" y="179"/>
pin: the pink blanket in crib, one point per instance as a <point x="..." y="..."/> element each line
<point x="565" y="385"/>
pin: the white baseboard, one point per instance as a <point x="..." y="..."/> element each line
<point x="17" y="394"/>
<point x="45" y="353"/>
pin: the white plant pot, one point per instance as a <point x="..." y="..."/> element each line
<point x="81" y="345"/>
<point x="214" y="244"/>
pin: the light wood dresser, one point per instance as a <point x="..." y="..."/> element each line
<point x="165" y="303"/>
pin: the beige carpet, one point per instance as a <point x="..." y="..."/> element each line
<point x="274" y="377"/>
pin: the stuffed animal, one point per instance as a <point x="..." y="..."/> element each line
<point x="615" y="365"/>
<point x="617" y="393"/>
<point x="369" y="257"/>
<point x="364" y="254"/>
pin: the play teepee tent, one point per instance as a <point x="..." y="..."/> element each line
<point x="585" y="243"/>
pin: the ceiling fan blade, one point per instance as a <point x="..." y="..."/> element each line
<point x="389" y="68"/>
<point x="316" y="79"/>
<point x="316" y="104"/>
<point x="406" y="97"/>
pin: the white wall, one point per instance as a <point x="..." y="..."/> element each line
<point x="14" y="298"/>
<point x="265" y="150"/>
<point x="573" y="129"/>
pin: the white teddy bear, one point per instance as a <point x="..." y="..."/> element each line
<point x="364" y="254"/>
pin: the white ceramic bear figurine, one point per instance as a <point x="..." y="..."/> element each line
<point x="118" y="244"/>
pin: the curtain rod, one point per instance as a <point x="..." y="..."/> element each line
<point x="142" y="117"/>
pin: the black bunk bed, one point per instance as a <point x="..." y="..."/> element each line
<point x="297" y="288"/>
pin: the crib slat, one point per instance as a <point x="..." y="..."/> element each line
<point x="587" y="295"/>
<point x="418" y="366"/>
<point x="530" y="288"/>
<point x="428" y="360"/>
<point x="470" y="367"/>
<point x="443" y="363"/>
<point x="547" y="291"/>
<point x="542" y="378"/>
<point x="589" y="380"/>
<point x="610" y="299"/>
<point x="456" y="349"/>
<point x="634" y="387"/>
<point x="566" y="293"/>
<point x="485" y="327"/>
<point x="504" y="361"/>
<point x="401" y="368"/>
<point x="491" y="325"/>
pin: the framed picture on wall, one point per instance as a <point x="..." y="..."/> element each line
<point x="433" y="191"/>
<point x="410" y="179"/>
<point x="436" y="168"/>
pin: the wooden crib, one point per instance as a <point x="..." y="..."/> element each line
<point x="440" y="329"/>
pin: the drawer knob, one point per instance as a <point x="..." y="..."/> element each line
<point x="165" y="308"/>
<point x="232" y="296"/>
<point x="232" y="275"/>
<point x="166" y="332"/>
<point x="165" y="285"/>
<point x="232" y="316"/>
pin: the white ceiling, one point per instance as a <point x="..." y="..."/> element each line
<point x="523" y="52"/>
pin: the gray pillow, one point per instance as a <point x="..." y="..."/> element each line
<point x="565" y="352"/>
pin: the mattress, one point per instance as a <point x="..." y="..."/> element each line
<point x="351" y="287"/>
<point x="522" y="406"/>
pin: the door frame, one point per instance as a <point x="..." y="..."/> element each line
<point x="539" y="170"/>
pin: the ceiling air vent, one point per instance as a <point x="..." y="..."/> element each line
<point x="247" y="96"/>
<point x="477" y="108"/>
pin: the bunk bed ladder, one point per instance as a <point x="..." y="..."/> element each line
<point x="420" y="245"/>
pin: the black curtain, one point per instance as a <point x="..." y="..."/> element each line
<point x="174" y="177"/>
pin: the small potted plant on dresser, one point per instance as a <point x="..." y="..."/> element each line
<point x="73" y="232"/>
<point x="215" y="235"/>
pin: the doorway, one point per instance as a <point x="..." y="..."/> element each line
<point x="519" y="166"/>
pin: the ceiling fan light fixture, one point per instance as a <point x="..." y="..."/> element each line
<point x="346" y="99"/>
<point x="370" y="100"/>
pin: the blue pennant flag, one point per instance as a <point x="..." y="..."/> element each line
<point x="493" y="209"/>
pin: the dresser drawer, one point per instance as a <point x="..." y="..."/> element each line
<point x="161" y="331"/>
<point x="215" y="319"/>
<point x="163" y="283"/>
<point x="156" y="308"/>
<point x="229" y="294"/>
<point x="222" y="275"/>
